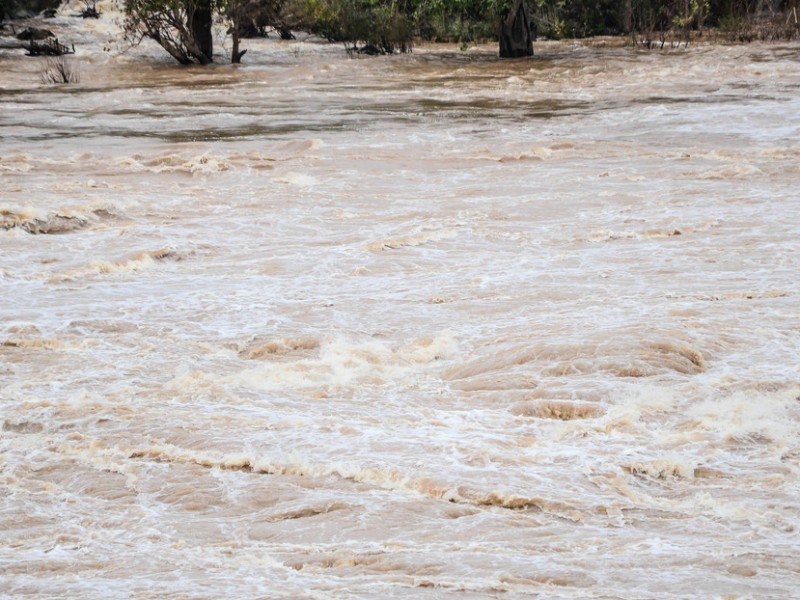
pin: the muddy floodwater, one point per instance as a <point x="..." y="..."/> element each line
<point x="422" y="326"/>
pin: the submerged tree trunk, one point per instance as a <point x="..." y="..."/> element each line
<point x="236" y="11"/>
<point x="516" y="38"/>
<point x="200" y="26"/>
<point x="236" y="54"/>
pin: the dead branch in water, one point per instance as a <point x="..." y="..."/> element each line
<point x="58" y="70"/>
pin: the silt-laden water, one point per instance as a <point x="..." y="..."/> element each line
<point x="423" y="326"/>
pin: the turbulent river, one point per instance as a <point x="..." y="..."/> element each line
<point x="422" y="326"/>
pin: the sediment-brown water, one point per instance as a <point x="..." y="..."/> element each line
<point x="422" y="326"/>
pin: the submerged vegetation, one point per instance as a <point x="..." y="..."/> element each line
<point x="385" y="26"/>
<point x="60" y="69"/>
<point x="184" y="27"/>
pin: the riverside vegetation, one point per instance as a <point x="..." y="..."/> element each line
<point x="184" y="27"/>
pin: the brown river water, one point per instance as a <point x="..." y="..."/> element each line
<point x="422" y="326"/>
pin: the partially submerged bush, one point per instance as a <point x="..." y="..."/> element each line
<point x="372" y="25"/>
<point x="183" y="27"/>
<point x="749" y="29"/>
<point x="59" y="70"/>
<point x="463" y="22"/>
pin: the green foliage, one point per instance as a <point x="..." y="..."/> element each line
<point x="692" y="14"/>
<point x="322" y="17"/>
<point x="380" y="26"/>
<point x="253" y="18"/>
<point x="386" y="26"/>
<point x="558" y="19"/>
<point x="461" y="21"/>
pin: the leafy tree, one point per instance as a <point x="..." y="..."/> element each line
<point x="462" y="21"/>
<point x="252" y="18"/>
<point x="380" y="26"/>
<point x="181" y="27"/>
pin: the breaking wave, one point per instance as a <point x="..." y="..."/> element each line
<point x="619" y="356"/>
<point x="414" y="240"/>
<point x="138" y="262"/>
<point x="383" y="477"/>
<point x="36" y="221"/>
<point x="338" y="362"/>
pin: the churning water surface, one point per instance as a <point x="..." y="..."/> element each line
<point x="422" y="326"/>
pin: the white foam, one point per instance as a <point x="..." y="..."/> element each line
<point x="343" y="363"/>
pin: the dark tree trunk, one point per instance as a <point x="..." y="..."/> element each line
<point x="201" y="30"/>
<point x="516" y="38"/>
<point x="236" y="54"/>
<point x="235" y="13"/>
